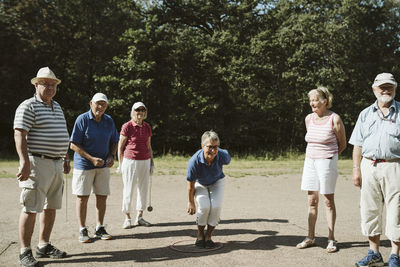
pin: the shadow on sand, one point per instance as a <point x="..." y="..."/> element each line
<point x="267" y="240"/>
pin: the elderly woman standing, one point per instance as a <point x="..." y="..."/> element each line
<point x="136" y="162"/>
<point x="206" y="186"/>
<point x="326" y="139"/>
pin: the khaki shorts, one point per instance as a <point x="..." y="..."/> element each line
<point x="44" y="187"/>
<point x="84" y="181"/>
<point x="380" y="189"/>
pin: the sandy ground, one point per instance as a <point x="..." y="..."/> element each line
<point x="263" y="218"/>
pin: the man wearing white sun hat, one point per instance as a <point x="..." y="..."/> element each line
<point x="41" y="140"/>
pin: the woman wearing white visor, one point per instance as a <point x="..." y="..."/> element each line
<point x="135" y="162"/>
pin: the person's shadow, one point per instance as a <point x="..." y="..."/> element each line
<point x="267" y="240"/>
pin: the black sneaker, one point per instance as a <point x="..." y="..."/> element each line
<point x="84" y="236"/>
<point x="210" y="244"/>
<point x="101" y="233"/>
<point x="50" y="251"/>
<point x="27" y="259"/>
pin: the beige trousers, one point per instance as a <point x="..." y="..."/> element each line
<point x="380" y="188"/>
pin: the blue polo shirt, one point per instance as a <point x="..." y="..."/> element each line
<point x="378" y="135"/>
<point x="95" y="138"/>
<point x="199" y="170"/>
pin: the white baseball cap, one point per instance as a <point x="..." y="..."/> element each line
<point x="99" y="97"/>
<point x="45" y="73"/>
<point x="137" y="105"/>
<point x="383" y="78"/>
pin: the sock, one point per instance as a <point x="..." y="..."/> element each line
<point x="98" y="226"/>
<point x="81" y="228"/>
<point x="42" y="245"/>
<point x="23" y="250"/>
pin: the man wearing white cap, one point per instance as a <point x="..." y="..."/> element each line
<point x="41" y="140"/>
<point x="376" y="169"/>
<point x="94" y="140"/>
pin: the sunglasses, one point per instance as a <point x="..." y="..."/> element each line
<point x="140" y="110"/>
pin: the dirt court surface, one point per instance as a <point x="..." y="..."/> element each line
<point x="263" y="218"/>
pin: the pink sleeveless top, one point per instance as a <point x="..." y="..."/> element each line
<point x="321" y="139"/>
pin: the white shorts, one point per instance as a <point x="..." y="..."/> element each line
<point x="84" y="180"/>
<point x="320" y="175"/>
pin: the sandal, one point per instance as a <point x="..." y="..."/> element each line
<point x="331" y="246"/>
<point x="306" y="243"/>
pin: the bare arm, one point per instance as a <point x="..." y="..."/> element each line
<point x="191" y="205"/>
<point x="110" y="156"/>
<point x="356" y="175"/>
<point x="340" y="132"/>
<point x="121" y="148"/>
<point x="21" y="146"/>
<point x="98" y="162"/>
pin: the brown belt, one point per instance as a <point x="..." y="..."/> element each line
<point x="44" y="156"/>
<point x="375" y="161"/>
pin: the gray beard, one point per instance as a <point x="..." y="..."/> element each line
<point x="385" y="99"/>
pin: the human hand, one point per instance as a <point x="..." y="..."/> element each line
<point x="23" y="171"/>
<point x="110" y="161"/>
<point x="66" y="166"/>
<point x="118" y="169"/>
<point x="356" y="177"/>
<point x="98" y="162"/>
<point x="191" y="208"/>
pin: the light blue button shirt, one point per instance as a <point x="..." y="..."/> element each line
<point x="378" y="135"/>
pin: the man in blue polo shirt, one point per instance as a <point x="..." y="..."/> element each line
<point x="94" y="140"/>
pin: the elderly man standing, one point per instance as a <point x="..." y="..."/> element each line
<point x="41" y="140"/>
<point x="94" y="140"/>
<point x="376" y="169"/>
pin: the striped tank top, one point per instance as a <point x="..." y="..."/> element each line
<point x="321" y="139"/>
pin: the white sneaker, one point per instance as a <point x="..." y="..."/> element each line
<point x="141" y="222"/>
<point x="127" y="224"/>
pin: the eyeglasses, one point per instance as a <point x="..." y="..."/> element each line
<point x="45" y="84"/>
<point x="212" y="147"/>
<point x="385" y="119"/>
<point x="140" y="110"/>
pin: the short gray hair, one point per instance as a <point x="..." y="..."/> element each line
<point x="209" y="136"/>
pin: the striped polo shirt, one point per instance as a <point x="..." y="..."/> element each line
<point x="46" y="127"/>
<point x="321" y="139"/>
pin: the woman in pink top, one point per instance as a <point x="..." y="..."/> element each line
<point x="326" y="139"/>
<point x="136" y="163"/>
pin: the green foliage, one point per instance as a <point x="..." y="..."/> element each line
<point x="241" y="68"/>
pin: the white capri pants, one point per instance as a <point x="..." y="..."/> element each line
<point x="209" y="202"/>
<point x="135" y="172"/>
<point x="380" y="188"/>
<point x="320" y="175"/>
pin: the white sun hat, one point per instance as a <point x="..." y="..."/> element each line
<point x="45" y="73"/>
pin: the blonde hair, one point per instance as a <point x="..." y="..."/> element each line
<point x="323" y="94"/>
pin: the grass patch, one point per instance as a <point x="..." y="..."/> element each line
<point x="239" y="167"/>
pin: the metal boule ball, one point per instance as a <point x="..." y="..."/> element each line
<point x="149" y="208"/>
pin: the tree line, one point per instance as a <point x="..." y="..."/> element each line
<point x="241" y="68"/>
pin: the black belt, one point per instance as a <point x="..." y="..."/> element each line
<point x="44" y="156"/>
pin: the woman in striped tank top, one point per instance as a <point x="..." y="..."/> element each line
<point x="326" y="139"/>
